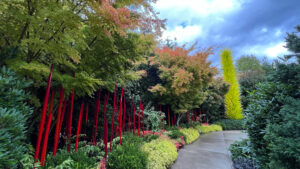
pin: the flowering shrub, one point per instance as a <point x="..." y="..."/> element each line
<point x="210" y="128"/>
<point x="161" y="154"/>
<point x="190" y="134"/>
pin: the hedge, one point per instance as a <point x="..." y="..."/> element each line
<point x="161" y="154"/>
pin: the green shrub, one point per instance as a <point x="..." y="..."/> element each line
<point x="192" y="124"/>
<point x="127" y="156"/>
<point x="161" y="154"/>
<point x="283" y="138"/>
<point x="272" y="118"/>
<point x="210" y="128"/>
<point x="231" y="124"/>
<point x="171" y="128"/>
<point x="14" y="113"/>
<point x="150" y="137"/>
<point x="242" y="155"/>
<point x="87" y="156"/>
<point x="190" y="134"/>
<point x="174" y="134"/>
<point x="153" y="119"/>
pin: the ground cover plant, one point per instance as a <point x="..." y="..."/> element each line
<point x="211" y="128"/>
<point x="161" y="154"/>
<point x="242" y="156"/>
<point x="190" y="134"/>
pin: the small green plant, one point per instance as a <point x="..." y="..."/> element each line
<point x="161" y="154"/>
<point x="242" y="155"/>
<point x="153" y="119"/>
<point x="87" y="156"/>
<point x="129" y="155"/>
<point x="174" y="134"/>
<point x="150" y="137"/>
<point x="190" y="134"/>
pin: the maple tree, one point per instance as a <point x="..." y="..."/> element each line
<point x="185" y="74"/>
<point x="77" y="37"/>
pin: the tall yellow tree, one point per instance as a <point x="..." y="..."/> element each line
<point x="232" y="98"/>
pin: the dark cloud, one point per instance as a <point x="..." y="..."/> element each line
<point x="243" y="29"/>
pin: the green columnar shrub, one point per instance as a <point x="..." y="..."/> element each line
<point x="14" y="113"/>
<point x="161" y="154"/>
<point x="129" y="155"/>
<point x="232" y="98"/>
<point x="190" y="134"/>
<point x="231" y="124"/>
<point x="211" y="128"/>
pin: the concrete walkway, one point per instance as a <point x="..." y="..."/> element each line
<point x="210" y="151"/>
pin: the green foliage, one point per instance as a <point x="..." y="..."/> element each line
<point x="284" y="134"/>
<point x="293" y="41"/>
<point x="210" y="128"/>
<point x="127" y="156"/>
<point x="213" y="105"/>
<point x="230" y="124"/>
<point x="251" y="72"/>
<point x="14" y="113"/>
<point x="272" y="119"/>
<point x="153" y="119"/>
<point x="99" y="47"/>
<point x="190" y="134"/>
<point x="150" y="137"/>
<point x="232" y="98"/>
<point x="241" y="149"/>
<point x="87" y="156"/>
<point x="242" y="155"/>
<point x="174" y="134"/>
<point x="161" y="154"/>
<point x="192" y="124"/>
<point x="264" y="105"/>
<point x="248" y="63"/>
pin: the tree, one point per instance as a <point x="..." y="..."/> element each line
<point x="248" y="63"/>
<point x="232" y="98"/>
<point x="36" y="34"/>
<point x="184" y="77"/>
<point x="250" y="72"/>
<point x="293" y="41"/>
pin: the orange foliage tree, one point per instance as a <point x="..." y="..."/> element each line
<point x="185" y="74"/>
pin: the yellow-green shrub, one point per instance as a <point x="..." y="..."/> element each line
<point x="210" y="128"/>
<point x="232" y="98"/>
<point x="161" y="154"/>
<point x="190" y="134"/>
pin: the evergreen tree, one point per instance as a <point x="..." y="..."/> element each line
<point x="232" y="98"/>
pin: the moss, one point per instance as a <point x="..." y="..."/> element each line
<point x="190" y="134"/>
<point x="211" y="128"/>
<point x="161" y="154"/>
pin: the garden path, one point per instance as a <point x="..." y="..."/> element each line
<point x="210" y="151"/>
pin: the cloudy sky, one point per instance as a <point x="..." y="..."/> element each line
<point x="246" y="26"/>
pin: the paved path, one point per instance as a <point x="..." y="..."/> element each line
<point x="210" y="151"/>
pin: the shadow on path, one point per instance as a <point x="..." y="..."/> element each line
<point x="210" y="151"/>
